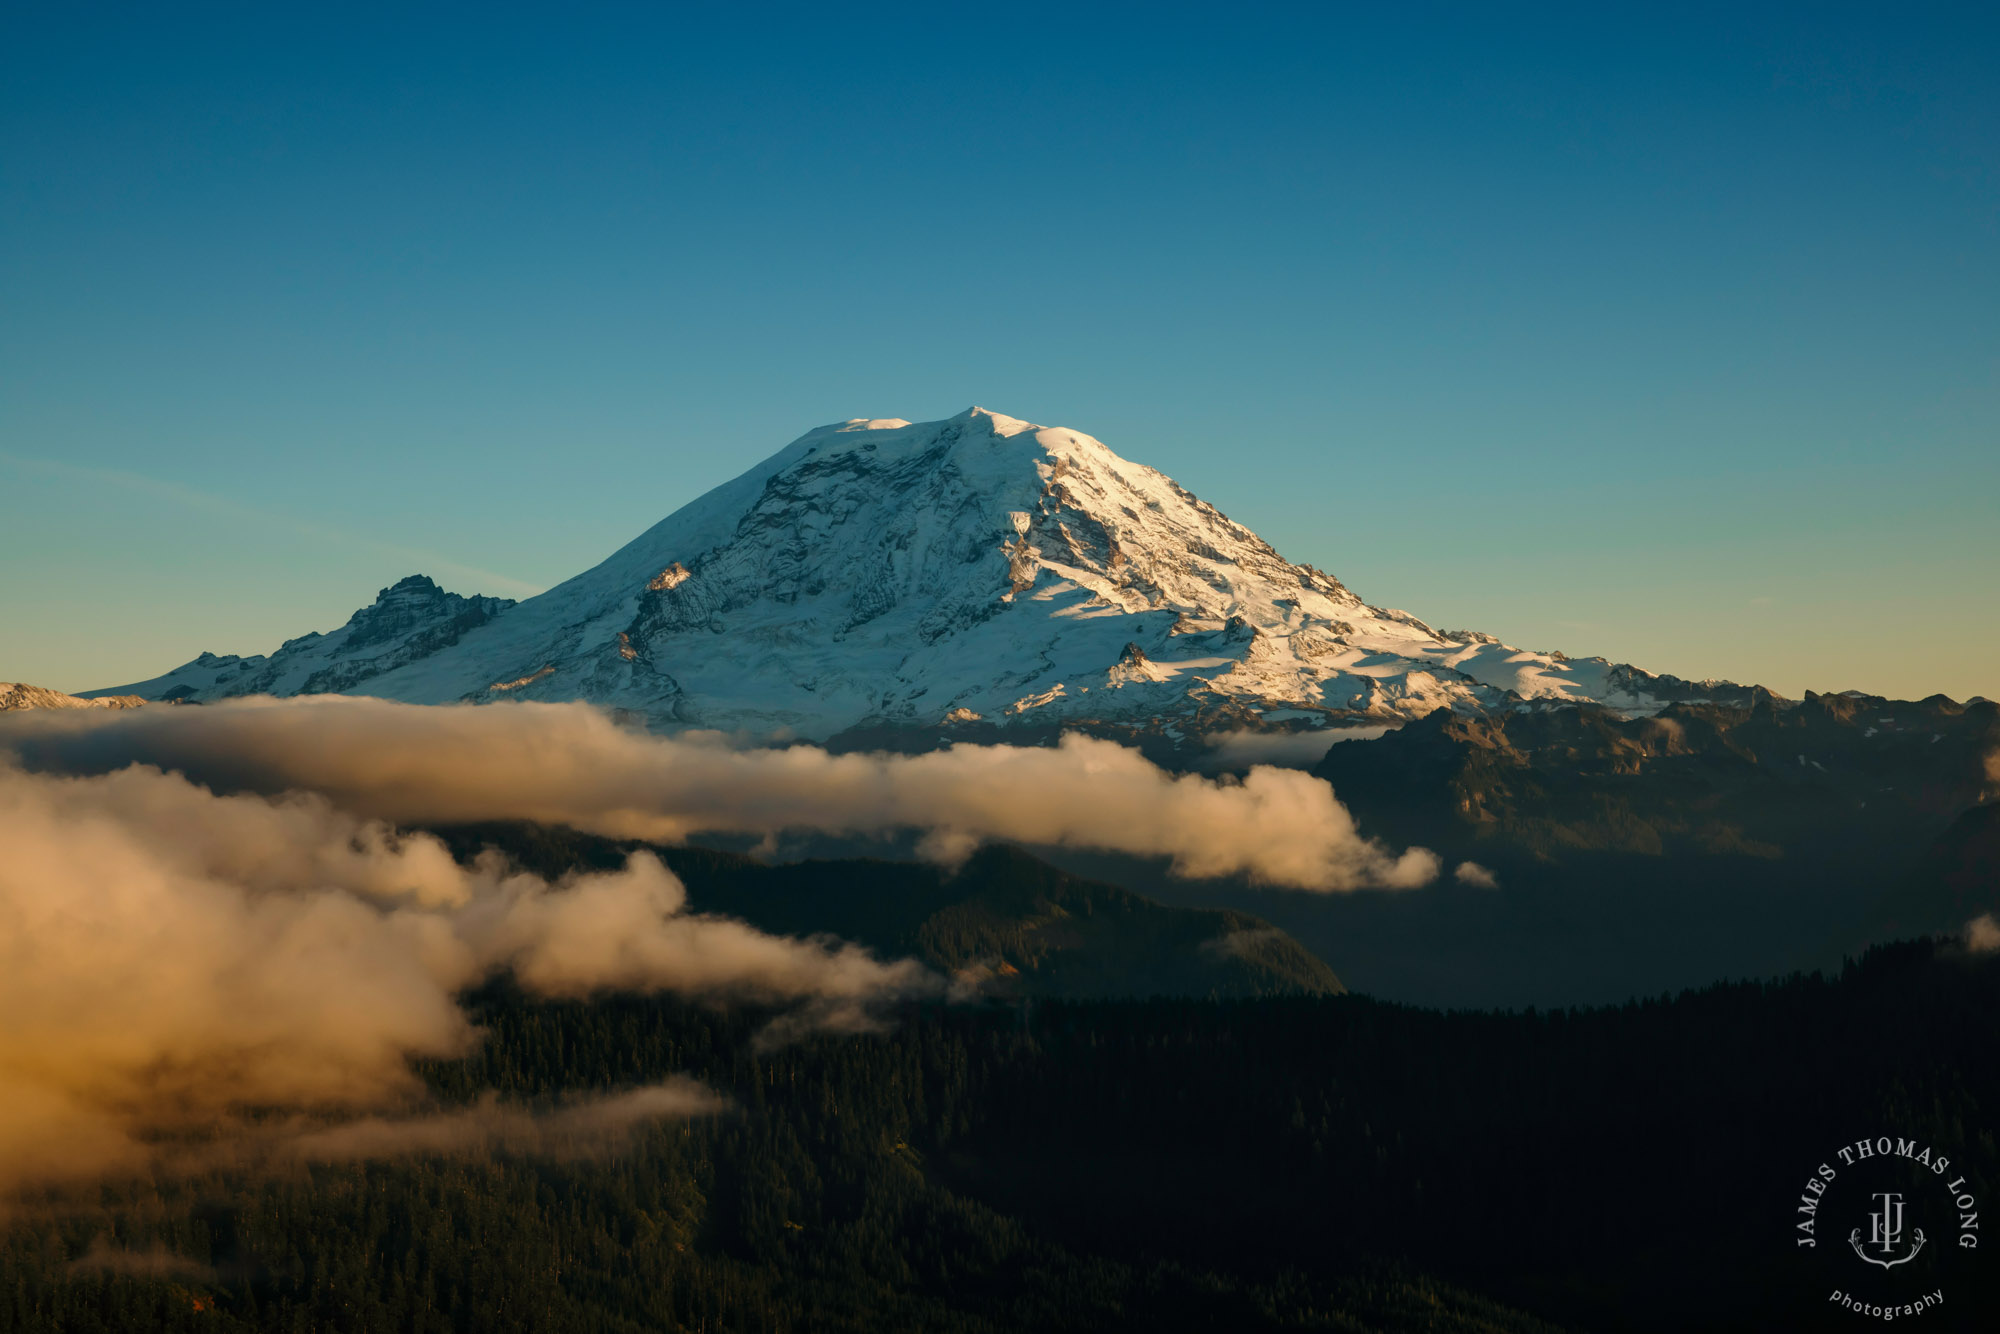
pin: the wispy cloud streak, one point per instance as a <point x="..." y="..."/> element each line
<point x="472" y="578"/>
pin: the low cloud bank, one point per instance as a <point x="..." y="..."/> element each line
<point x="170" y="957"/>
<point x="1982" y="934"/>
<point x="1288" y="750"/>
<point x="580" y="1128"/>
<point x="569" y="764"/>
<point x="156" y="1262"/>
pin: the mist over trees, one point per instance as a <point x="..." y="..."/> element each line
<point x="1278" y="1163"/>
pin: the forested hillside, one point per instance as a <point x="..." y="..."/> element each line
<point x="1279" y="1163"/>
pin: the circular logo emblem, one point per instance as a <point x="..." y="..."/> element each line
<point x="1887" y="1220"/>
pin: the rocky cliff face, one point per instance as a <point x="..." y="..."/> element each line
<point x="409" y="621"/>
<point x="969" y="573"/>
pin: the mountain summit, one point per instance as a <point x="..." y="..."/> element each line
<point x="879" y="573"/>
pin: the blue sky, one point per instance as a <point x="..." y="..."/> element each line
<point x="1669" y="333"/>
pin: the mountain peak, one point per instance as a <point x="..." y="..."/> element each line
<point x="853" y="424"/>
<point x="411" y="619"/>
<point x="998" y="423"/>
<point x="875" y="433"/>
<point x="879" y="572"/>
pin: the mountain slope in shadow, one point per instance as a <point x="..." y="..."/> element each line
<point x="1637" y="855"/>
<point x="1004" y="918"/>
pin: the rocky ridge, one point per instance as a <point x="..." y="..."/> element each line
<point x="20" y="695"/>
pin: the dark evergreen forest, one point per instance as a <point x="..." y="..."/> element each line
<point x="1279" y="1162"/>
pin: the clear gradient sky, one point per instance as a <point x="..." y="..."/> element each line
<point x="1668" y="333"/>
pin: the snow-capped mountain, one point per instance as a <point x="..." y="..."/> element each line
<point x="888" y="574"/>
